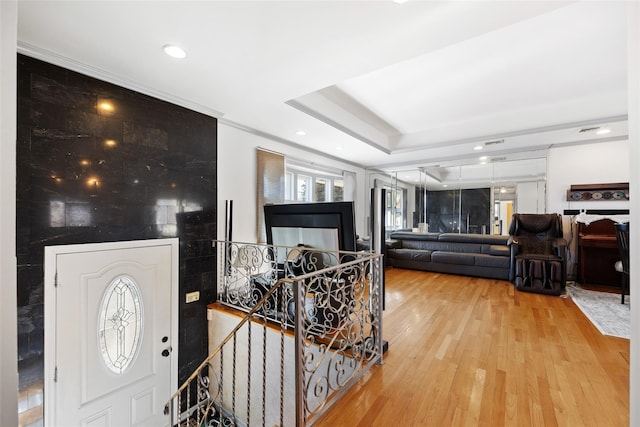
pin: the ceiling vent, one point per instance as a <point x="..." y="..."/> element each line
<point x="498" y="159"/>
<point x="591" y="129"/>
<point x="497" y="141"/>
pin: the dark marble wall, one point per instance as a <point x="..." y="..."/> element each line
<point x="445" y="209"/>
<point x="98" y="163"/>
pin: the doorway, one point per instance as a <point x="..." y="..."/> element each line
<point x="110" y="332"/>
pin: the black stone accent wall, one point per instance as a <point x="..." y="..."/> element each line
<point x="444" y="210"/>
<point x="100" y="163"/>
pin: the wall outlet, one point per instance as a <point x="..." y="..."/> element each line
<point x="192" y="297"/>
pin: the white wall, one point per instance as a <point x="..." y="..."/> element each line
<point x="588" y="164"/>
<point x="221" y="323"/>
<point x="237" y="178"/>
<point x="8" y="310"/>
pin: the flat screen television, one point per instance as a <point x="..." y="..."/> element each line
<point x="328" y="226"/>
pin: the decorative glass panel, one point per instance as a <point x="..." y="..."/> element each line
<point x="120" y="324"/>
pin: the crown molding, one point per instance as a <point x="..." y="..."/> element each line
<point x="98" y="73"/>
<point x="284" y="141"/>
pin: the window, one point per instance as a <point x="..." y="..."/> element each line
<point x="320" y="190"/>
<point x="288" y="186"/>
<point x="302" y="188"/>
<point x="338" y="190"/>
<point x="394" y="209"/>
<point x="307" y="186"/>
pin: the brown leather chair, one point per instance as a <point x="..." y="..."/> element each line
<point x="538" y="253"/>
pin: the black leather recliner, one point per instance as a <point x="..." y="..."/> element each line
<point x="538" y="253"/>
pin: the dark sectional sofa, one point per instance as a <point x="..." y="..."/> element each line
<point x="466" y="254"/>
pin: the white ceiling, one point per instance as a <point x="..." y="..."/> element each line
<point x="375" y="83"/>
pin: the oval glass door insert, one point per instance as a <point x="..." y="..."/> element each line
<point x="120" y="324"/>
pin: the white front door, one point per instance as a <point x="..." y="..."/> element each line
<point x="110" y="333"/>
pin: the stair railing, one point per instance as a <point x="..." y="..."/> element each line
<point x="311" y="327"/>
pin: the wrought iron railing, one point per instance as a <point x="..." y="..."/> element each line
<point x="311" y="326"/>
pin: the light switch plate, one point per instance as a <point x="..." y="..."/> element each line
<point x="192" y="297"/>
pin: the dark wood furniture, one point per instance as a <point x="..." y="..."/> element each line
<point x="622" y="266"/>
<point x="598" y="253"/>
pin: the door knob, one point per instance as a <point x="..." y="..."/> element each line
<point x="166" y="352"/>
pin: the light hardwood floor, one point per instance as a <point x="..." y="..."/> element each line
<point x="475" y="352"/>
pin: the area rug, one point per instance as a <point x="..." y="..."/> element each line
<point x="604" y="310"/>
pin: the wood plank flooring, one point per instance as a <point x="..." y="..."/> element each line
<point x="466" y="351"/>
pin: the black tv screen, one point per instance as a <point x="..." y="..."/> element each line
<point x="329" y="226"/>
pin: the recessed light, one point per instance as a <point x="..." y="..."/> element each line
<point x="339" y="148"/>
<point x="482" y="158"/>
<point x="301" y="133"/>
<point x="603" y="131"/>
<point x="106" y="106"/>
<point x="445" y="185"/>
<point x="399" y="1"/>
<point x="478" y="147"/>
<point x="174" y="51"/>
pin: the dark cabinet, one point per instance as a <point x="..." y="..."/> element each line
<point x="598" y="252"/>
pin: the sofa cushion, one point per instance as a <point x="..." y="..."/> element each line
<point x="488" y="239"/>
<point x="409" y="235"/>
<point x="453" y="258"/>
<point x="442" y="246"/>
<point x="457" y="237"/>
<point x="496" y="250"/>
<point x="540" y="257"/>
<point x="393" y="244"/>
<point x="426" y="245"/>
<point x="492" y="261"/>
<point x="410" y="255"/>
<point x="495" y="239"/>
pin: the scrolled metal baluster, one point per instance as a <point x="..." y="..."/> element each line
<point x="282" y="331"/>
<point x="188" y="403"/>
<point x="249" y="373"/>
<point x="203" y="396"/>
<point x="264" y="371"/>
<point x="233" y="378"/>
<point x="221" y="378"/>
